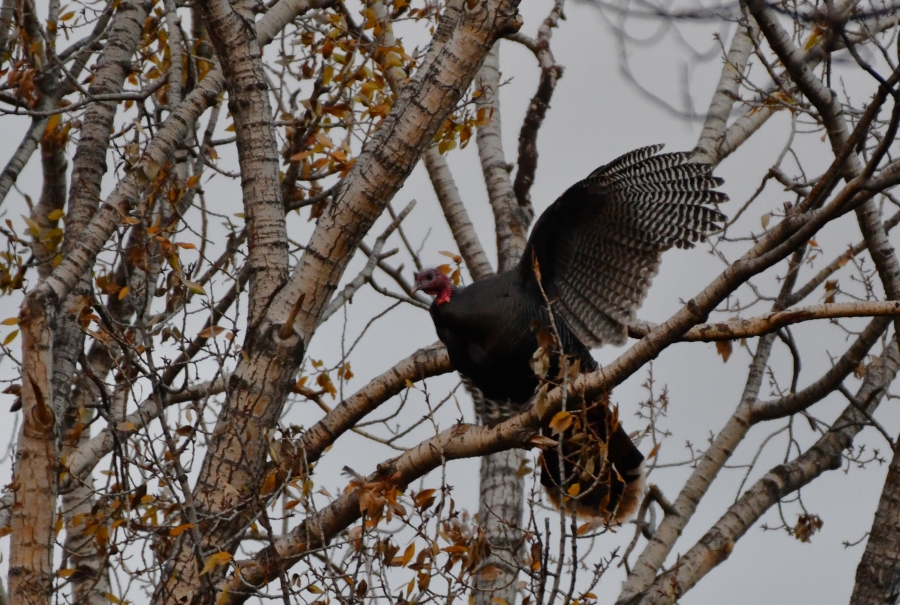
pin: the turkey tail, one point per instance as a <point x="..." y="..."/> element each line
<point x="603" y="471"/>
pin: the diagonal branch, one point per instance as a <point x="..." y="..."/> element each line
<point x="458" y="220"/>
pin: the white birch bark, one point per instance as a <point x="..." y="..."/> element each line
<point x="458" y="220"/>
<point x="275" y="347"/>
<point x="511" y="220"/>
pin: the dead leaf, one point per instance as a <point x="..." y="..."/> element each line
<point x="724" y="348"/>
<point x="489" y="573"/>
<point x="177" y="531"/>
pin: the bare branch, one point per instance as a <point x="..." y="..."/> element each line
<point x="461" y="226"/>
<point x="772" y="322"/>
<point x="511" y="220"/>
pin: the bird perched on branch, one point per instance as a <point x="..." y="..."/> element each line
<point x="585" y="271"/>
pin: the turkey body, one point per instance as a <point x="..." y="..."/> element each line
<point x="589" y="261"/>
<point x="490" y="330"/>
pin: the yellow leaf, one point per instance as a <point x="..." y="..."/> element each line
<point x="126" y="426"/>
<point x="33" y="228"/>
<point x="216" y="560"/>
<point x="574" y="489"/>
<point x="764" y="219"/>
<point x="561" y="421"/>
<point x="314" y="589"/>
<point x="10" y="337"/>
<point x="123" y="292"/>
<point x="65" y="573"/>
<point x="186" y="245"/>
<point x="112" y="598"/>
<point x="10" y="321"/>
<point x="55" y="215"/>
<point x="408" y="555"/>
<point x="194" y="287"/>
<point x="67" y="16"/>
<point x="192" y="181"/>
<point x="654" y="451"/>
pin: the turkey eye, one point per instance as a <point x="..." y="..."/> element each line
<point x="429" y="276"/>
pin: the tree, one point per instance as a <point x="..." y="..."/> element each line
<point x="162" y="356"/>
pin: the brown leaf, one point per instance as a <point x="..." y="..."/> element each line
<point x="542" y="441"/>
<point x="268" y="485"/>
<point x="489" y="573"/>
<point x="424" y="499"/>
<point x="210" y="331"/>
<point x="724" y="348"/>
<point x="806" y="526"/>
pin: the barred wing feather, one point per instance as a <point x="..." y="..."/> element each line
<point x="600" y="244"/>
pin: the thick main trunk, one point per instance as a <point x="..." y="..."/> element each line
<point x="239" y="456"/>
<point x="277" y="342"/>
<point x="500" y="513"/>
<point x="878" y="573"/>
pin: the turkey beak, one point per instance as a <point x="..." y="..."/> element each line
<point x="416" y="285"/>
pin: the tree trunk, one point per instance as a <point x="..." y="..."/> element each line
<point x="878" y="574"/>
<point x="500" y="513"/>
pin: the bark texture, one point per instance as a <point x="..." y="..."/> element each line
<point x="511" y="220"/>
<point x="501" y="504"/>
<point x="878" y="573"/>
<point x="274" y="349"/>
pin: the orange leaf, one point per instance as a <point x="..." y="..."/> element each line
<point x="177" y="531"/>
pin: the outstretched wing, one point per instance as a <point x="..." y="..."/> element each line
<point x="599" y="245"/>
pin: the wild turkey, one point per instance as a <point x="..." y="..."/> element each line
<point x="596" y="250"/>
